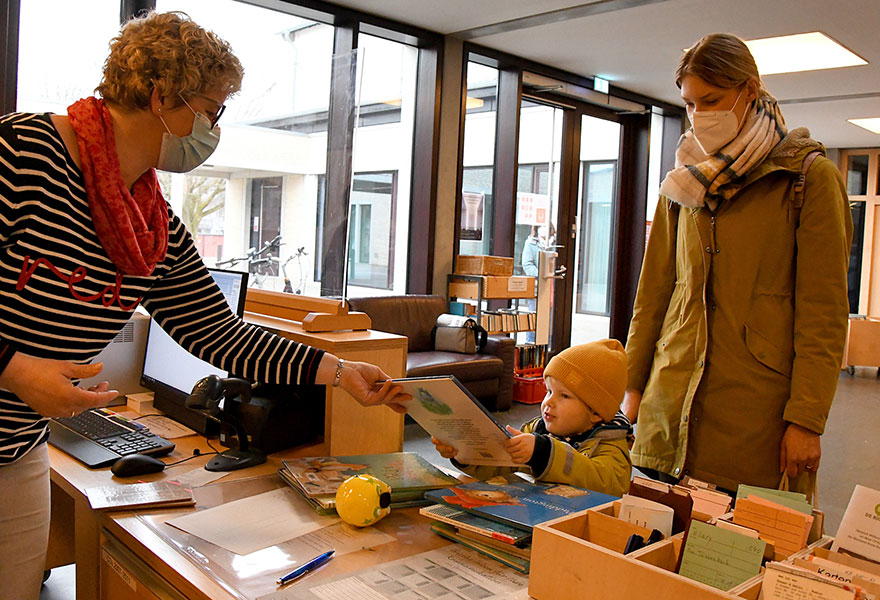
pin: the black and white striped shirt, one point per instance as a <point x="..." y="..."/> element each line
<point x="61" y="297"/>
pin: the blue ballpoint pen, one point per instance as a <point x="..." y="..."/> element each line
<point x="306" y="567"/>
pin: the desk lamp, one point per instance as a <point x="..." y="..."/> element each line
<point x="205" y="396"/>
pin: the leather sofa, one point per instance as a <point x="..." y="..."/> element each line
<point x="488" y="375"/>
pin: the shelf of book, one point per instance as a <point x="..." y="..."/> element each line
<point x="474" y="290"/>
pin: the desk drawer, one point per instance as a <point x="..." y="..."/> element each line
<point x="124" y="575"/>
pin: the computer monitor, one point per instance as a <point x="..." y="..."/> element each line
<point x="170" y="372"/>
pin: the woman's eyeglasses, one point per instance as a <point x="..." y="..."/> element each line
<point x="216" y="117"/>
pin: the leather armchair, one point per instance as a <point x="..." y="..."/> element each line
<point x="488" y="375"/>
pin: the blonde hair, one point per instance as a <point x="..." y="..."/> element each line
<point x="722" y="60"/>
<point x="171" y="53"/>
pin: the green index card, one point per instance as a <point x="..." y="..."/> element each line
<point x="719" y="557"/>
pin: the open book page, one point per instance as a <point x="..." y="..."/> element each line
<point x="446" y="410"/>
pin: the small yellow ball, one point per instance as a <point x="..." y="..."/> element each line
<point x="363" y="500"/>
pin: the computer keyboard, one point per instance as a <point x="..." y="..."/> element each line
<point x="117" y="435"/>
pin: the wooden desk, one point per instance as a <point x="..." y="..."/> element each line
<point x="350" y="428"/>
<point x="75" y="530"/>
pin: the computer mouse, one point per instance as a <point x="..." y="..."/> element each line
<point x="136" y="464"/>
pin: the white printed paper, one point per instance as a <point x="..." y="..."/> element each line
<point x="859" y="530"/>
<point x="452" y="571"/>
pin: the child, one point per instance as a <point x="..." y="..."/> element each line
<point x="581" y="437"/>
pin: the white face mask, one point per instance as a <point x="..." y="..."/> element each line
<point x="183" y="154"/>
<point x="713" y="129"/>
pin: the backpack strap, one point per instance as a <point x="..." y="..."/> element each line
<point x="801" y="183"/>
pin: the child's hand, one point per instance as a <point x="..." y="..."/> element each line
<point x="444" y="450"/>
<point x="521" y="446"/>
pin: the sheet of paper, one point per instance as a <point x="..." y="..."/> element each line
<point x="160" y="425"/>
<point x="195" y="477"/>
<point x="646" y="513"/>
<point x="833" y="570"/>
<point x="783" y="582"/>
<point x="786" y="527"/>
<point x="448" y="412"/>
<point x="254" y="523"/>
<point x="859" y="530"/>
<point x="710" y="503"/>
<point x="718" y="557"/>
<point x="452" y="571"/>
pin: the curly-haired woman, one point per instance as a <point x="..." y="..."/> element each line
<point x="86" y="236"/>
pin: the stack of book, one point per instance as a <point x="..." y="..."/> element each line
<point x="409" y="475"/>
<point x="496" y="516"/>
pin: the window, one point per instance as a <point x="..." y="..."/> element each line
<point x="274" y="136"/>
<point x="475" y="232"/>
<point x="61" y="52"/>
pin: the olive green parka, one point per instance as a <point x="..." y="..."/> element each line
<point x="740" y="320"/>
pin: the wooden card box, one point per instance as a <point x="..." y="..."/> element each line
<point x="493" y="287"/>
<point x="575" y="556"/>
<point x="484" y="265"/>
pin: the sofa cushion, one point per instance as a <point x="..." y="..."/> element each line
<point x="413" y="316"/>
<point x="465" y="367"/>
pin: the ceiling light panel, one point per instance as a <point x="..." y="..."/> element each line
<point x="801" y="52"/>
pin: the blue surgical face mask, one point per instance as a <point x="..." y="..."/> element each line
<point x="183" y="154"/>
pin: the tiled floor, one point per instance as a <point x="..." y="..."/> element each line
<point x="849" y="443"/>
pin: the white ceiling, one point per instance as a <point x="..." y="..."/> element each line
<point x="636" y="44"/>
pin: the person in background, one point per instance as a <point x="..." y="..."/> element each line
<point x="741" y="311"/>
<point x="530" y="260"/>
<point x="86" y="237"/>
<point x="581" y="437"/>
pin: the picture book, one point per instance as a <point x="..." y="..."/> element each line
<point x="402" y="471"/>
<point x="512" y="500"/>
<point x="464" y="520"/>
<point x="443" y="407"/>
<point x="511" y="560"/>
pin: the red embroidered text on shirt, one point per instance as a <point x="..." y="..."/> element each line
<point x="78" y="274"/>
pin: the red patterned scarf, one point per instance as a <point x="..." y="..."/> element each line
<point x="132" y="226"/>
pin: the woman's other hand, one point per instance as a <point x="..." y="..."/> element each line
<point x="632" y="399"/>
<point x="371" y="386"/>
<point x="521" y="446"/>
<point x="445" y="450"/>
<point x="45" y="385"/>
<point x="800" y="451"/>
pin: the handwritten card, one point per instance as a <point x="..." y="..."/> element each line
<point x="787" y="528"/>
<point x="720" y="558"/>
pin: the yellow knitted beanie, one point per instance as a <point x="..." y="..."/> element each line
<point x="595" y="373"/>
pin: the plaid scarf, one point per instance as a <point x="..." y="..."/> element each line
<point x="132" y="226"/>
<point x="698" y="177"/>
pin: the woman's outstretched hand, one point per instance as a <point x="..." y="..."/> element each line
<point x="371" y="386"/>
<point x="45" y="385"/>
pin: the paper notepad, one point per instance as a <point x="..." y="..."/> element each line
<point x="785" y="527"/>
<point x="718" y="557"/>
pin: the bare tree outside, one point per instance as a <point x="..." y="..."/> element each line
<point x="202" y="196"/>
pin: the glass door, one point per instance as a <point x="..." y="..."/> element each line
<point x="594" y="223"/>
<point x="537" y="203"/>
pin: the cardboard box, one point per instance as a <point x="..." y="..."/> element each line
<point x="493" y="287"/>
<point x="580" y="555"/>
<point x="484" y="265"/>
